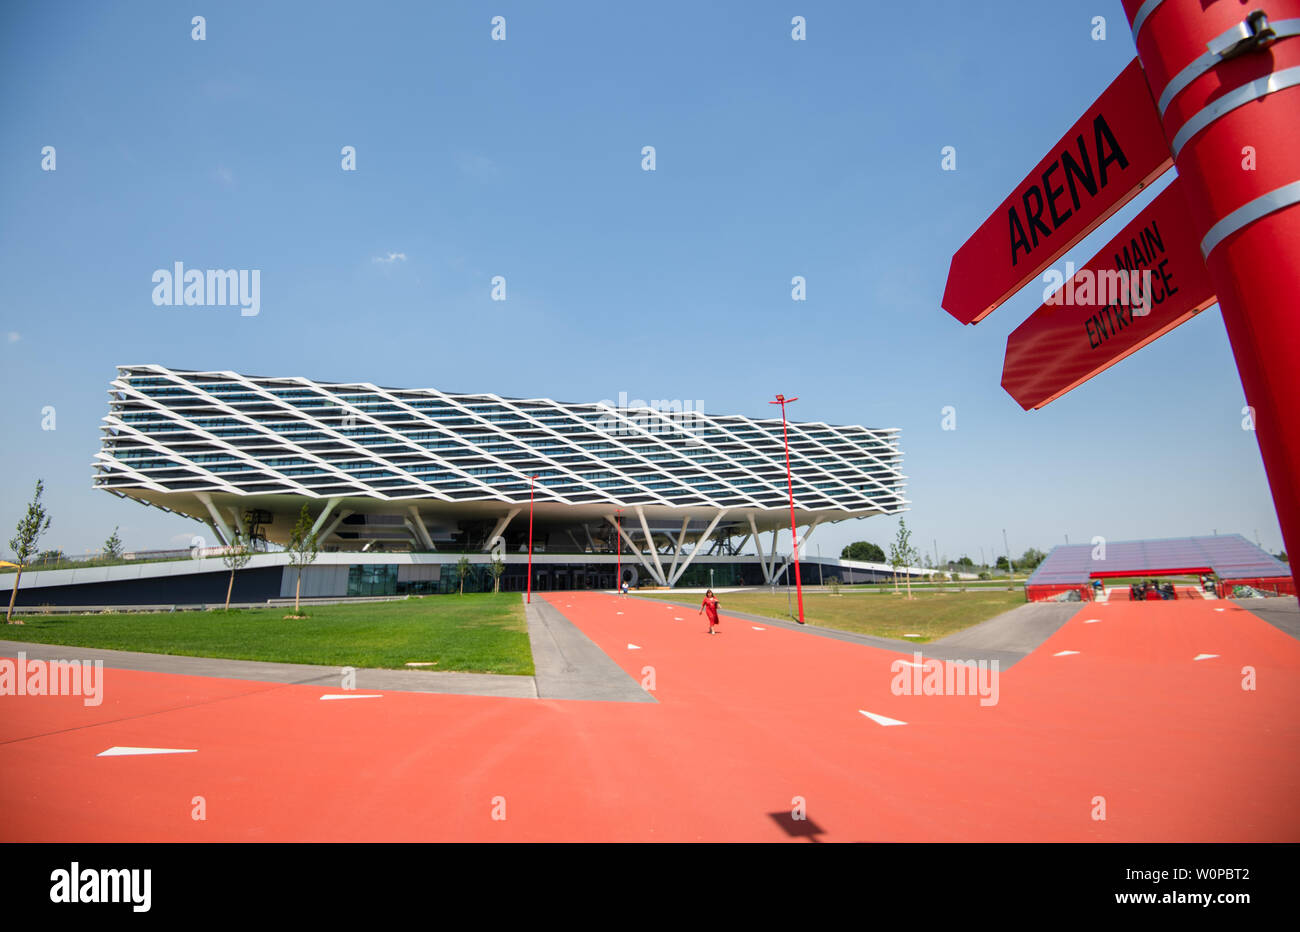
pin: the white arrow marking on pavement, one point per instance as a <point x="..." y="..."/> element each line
<point x="757" y="628"/>
<point x="1091" y="621"/>
<point x="1205" y="656"/>
<point x="881" y="719"/>
<point x="351" y="696"/>
<point x="1220" y="609"/>
<point x="118" y="751"/>
<point x="618" y="613"/>
<point x="1064" y="653"/>
<point x="633" y="647"/>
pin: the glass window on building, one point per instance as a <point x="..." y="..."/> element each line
<point x="372" y="579"/>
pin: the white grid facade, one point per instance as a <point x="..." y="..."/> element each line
<point x="174" y="436"/>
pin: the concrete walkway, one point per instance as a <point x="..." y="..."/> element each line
<point x="569" y="665"/>
<point x="1282" y="613"/>
<point x="1014" y="634"/>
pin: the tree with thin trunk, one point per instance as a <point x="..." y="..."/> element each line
<point x="462" y="570"/>
<point x="236" y="557"/>
<point x="113" y="547"/>
<point x="302" y="550"/>
<point x="901" y="554"/>
<point x="35" y="523"/>
<point x="498" y="567"/>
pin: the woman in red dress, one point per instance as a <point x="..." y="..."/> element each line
<point x="710" y="605"/>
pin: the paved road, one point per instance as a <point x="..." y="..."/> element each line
<point x="1281" y="613"/>
<point x="1179" y="715"/>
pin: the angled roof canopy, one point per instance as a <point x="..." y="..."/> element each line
<point x="1229" y="556"/>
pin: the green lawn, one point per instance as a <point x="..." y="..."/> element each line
<point x="476" y="632"/>
<point x="929" y="614"/>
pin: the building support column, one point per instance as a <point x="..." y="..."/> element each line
<point x="215" y="533"/>
<point x="771" y="569"/>
<point x="421" y="532"/>
<point x="762" y="558"/>
<point x="699" y="546"/>
<point x="241" y="527"/>
<point x="320" y="519"/>
<point x="500" y="527"/>
<point x="333" y="525"/>
<point x="677" y="554"/>
<point x="649" y="567"/>
<point x="222" y="529"/>
<point x="803" y="539"/>
<point x="650" y="542"/>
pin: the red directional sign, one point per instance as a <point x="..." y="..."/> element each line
<point x="1111" y="153"/>
<point x="1144" y="283"/>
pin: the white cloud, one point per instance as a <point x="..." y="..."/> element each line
<point x="392" y="257"/>
<point x="14" y="336"/>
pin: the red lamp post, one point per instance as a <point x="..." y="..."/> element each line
<point x="530" y="539"/>
<point x="789" y="484"/>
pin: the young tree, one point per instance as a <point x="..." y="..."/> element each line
<point x="113" y="547"/>
<point x="35" y="523"/>
<point x="302" y="550"/>
<point x="901" y="554"/>
<point x="236" y="557"/>
<point x="462" y="570"/>
<point x="498" y="567"/>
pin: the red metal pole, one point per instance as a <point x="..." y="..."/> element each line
<point x="530" y="539"/>
<point x="618" y="542"/>
<point x="789" y="483"/>
<point x="1239" y="167"/>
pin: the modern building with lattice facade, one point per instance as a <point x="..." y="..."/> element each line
<point x="434" y="475"/>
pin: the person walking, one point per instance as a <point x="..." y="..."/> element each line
<point x="710" y="605"/>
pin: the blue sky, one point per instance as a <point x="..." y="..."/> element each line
<point x="522" y="158"/>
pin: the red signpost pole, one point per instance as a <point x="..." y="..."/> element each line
<point x="789" y="484"/>
<point x="530" y="539"/>
<point x="1227" y="83"/>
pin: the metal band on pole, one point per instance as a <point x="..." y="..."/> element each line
<point x="1141" y="15"/>
<point x="1248" y="213"/>
<point x="1281" y="30"/>
<point x="1247" y="93"/>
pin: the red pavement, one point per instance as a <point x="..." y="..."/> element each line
<point x="745" y="721"/>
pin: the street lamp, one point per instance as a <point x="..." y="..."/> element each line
<point x="789" y="484"/>
<point x="529" y="600"/>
